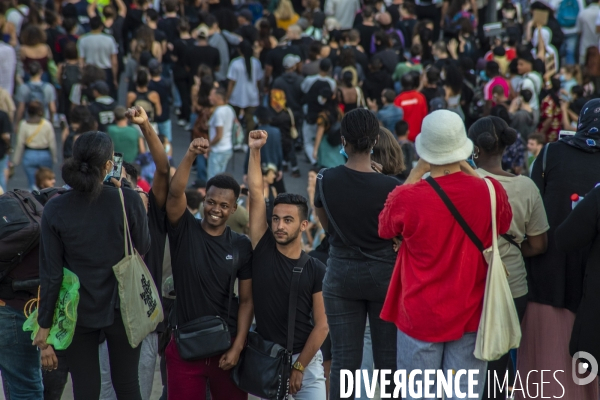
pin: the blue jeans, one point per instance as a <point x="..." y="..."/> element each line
<point x="456" y="355"/>
<point x="569" y="48"/>
<point x="165" y="128"/>
<point x="354" y="288"/>
<point x="32" y="160"/>
<point x="217" y="162"/>
<point x="3" y="167"/>
<point x="20" y="363"/>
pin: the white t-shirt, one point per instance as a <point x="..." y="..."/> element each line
<point x="222" y="116"/>
<point x="245" y="93"/>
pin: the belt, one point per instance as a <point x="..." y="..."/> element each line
<point x="44" y="149"/>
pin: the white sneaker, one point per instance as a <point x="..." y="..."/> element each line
<point x="182" y="122"/>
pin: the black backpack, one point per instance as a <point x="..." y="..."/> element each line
<point x="476" y="106"/>
<point x="20" y="225"/>
<point x="20" y="228"/>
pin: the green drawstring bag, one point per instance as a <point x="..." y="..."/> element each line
<point x="65" y="313"/>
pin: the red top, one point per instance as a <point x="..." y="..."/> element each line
<point x="143" y="184"/>
<point x="436" y="290"/>
<point x="414" y="105"/>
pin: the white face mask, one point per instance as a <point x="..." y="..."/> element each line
<point x="322" y="100"/>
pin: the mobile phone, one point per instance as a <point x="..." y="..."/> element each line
<point x="563" y="134"/>
<point x="118" y="166"/>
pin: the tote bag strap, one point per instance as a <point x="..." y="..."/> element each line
<point x="291" y="114"/>
<point x="492" y="191"/>
<point x="294" y="288"/>
<point x="126" y="232"/>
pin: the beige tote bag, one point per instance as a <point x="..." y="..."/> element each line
<point x="141" y="308"/>
<point x="499" y="329"/>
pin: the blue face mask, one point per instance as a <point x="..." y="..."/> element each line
<point x="343" y="152"/>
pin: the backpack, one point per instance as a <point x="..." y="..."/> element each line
<point x="334" y="135"/>
<point x="567" y="13"/>
<point x="237" y="132"/>
<point x="71" y="74"/>
<point x="20" y="228"/>
<point x="36" y="93"/>
<point x="477" y="104"/>
<point x="143" y="101"/>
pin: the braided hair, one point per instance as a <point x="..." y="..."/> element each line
<point x="492" y="135"/>
<point x="360" y="128"/>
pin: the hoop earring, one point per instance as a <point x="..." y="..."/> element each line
<point x="475" y="156"/>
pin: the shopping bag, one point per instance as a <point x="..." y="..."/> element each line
<point x="65" y="313"/>
<point x="499" y="329"/>
<point x="141" y="308"/>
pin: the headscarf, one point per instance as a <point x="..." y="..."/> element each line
<point x="547" y="37"/>
<point x="587" y="137"/>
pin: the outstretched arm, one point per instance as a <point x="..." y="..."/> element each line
<point x="176" y="201"/>
<point x="257" y="206"/>
<point x="160" y="184"/>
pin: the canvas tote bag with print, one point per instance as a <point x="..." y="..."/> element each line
<point x="499" y="328"/>
<point x="141" y="308"/>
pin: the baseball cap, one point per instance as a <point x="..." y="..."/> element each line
<point x="101" y="87"/>
<point x="290" y="61"/>
<point x="202" y="31"/>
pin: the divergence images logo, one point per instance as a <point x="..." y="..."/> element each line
<point x="583" y="362"/>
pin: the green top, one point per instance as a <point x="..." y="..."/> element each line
<point x="404" y="67"/>
<point x="125" y="140"/>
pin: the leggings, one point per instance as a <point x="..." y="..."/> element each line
<point x="184" y="87"/>
<point x="500" y="366"/>
<point x="84" y="363"/>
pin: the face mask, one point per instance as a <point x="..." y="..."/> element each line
<point x="343" y="152"/>
<point x="322" y="100"/>
<point x="255" y="120"/>
<point x="562" y="78"/>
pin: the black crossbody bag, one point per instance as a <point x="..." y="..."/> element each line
<point x="264" y="367"/>
<point x="207" y="336"/>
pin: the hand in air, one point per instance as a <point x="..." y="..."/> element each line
<point x="136" y="115"/>
<point x="257" y="139"/>
<point x="199" y="146"/>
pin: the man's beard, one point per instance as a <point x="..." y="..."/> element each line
<point x="289" y="239"/>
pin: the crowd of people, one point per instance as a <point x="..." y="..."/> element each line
<point x="400" y="108"/>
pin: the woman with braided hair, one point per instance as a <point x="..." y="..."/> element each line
<point x="348" y="201"/>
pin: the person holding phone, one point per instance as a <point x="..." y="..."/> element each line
<point x="82" y="230"/>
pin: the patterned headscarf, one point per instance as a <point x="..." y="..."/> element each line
<point x="587" y="137"/>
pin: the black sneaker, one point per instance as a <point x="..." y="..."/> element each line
<point x="296" y="173"/>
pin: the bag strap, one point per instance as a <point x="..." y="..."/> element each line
<point x="296" y="273"/>
<point x="492" y="191"/>
<point x="544" y="159"/>
<point x="126" y="232"/>
<point x="35" y="133"/>
<point x="461" y="221"/>
<point x="293" y="121"/>
<point x="335" y="226"/>
<point x="511" y="240"/>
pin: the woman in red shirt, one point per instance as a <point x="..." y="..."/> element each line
<point x="435" y="295"/>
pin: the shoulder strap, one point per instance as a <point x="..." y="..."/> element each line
<point x="544" y="159"/>
<point x="291" y="114"/>
<point x="334" y="225"/>
<point x="511" y="240"/>
<point x="461" y="221"/>
<point x="297" y="272"/>
<point x="35" y="133"/>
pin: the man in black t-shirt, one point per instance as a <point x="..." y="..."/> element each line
<point x="103" y="106"/>
<point x="202" y="53"/>
<point x="202" y="260"/>
<point x="276" y="254"/>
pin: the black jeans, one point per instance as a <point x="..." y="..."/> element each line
<point x="84" y="362"/>
<point x="55" y="381"/>
<point x="354" y="288"/>
<point x="184" y="87"/>
<point x="499" y="366"/>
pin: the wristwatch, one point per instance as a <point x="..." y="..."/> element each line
<point x="298" y="366"/>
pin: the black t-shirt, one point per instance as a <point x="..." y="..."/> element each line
<point x="196" y="55"/>
<point x="248" y="32"/>
<point x="163" y="88"/>
<point x="355" y="200"/>
<point x="366" y="35"/>
<point x="159" y="36"/>
<point x="431" y="93"/>
<point x="169" y="27"/>
<point x="202" y="268"/>
<point x="5" y="127"/>
<point x="180" y="48"/>
<point x="276" y="56"/>
<point x="271" y="283"/>
<point x="103" y="111"/>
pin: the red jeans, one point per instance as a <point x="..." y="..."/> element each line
<point x="187" y="380"/>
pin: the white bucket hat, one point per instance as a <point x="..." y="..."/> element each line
<point x="443" y="139"/>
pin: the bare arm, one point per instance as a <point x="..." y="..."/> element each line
<point x="218" y="136"/>
<point x="115" y="69"/>
<point x="131" y="98"/>
<point x="176" y="200"/>
<point x="245" y="316"/>
<point x="256" y="200"/>
<point x="314" y="342"/>
<point x="122" y="8"/>
<point x="155" y="99"/>
<point x="160" y="184"/>
<point x="535" y="245"/>
<point x="318" y="139"/>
